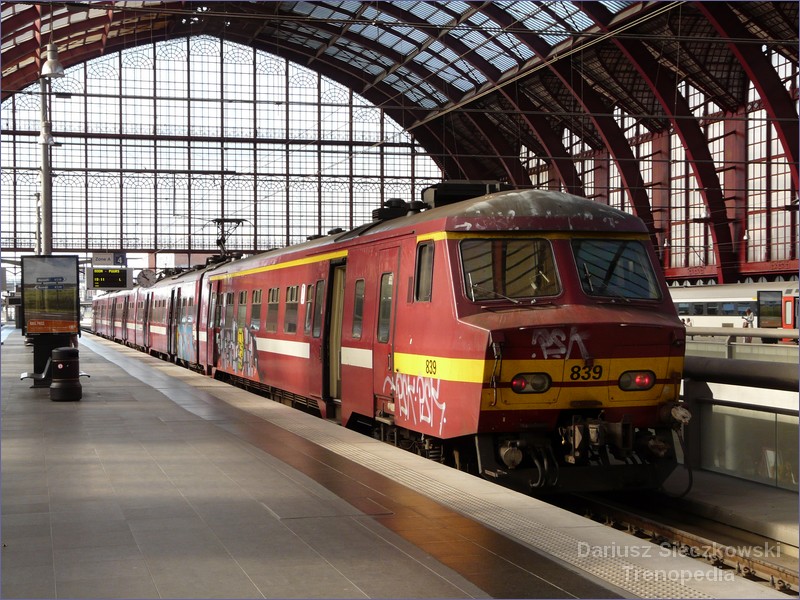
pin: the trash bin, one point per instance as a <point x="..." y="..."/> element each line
<point x="66" y="371"/>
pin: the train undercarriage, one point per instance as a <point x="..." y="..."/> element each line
<point x="583" y="454"/>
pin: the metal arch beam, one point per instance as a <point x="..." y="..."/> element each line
<point x="598" y="112"/>
<point x="664" y="87"/>
<point x="501" y="148"/>
<point x="468" y="54"/>
<point x="777" y="100"/>
<point x="558" y="155"/>
<point x="431" y="78"/>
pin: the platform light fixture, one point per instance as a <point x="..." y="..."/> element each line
<point x="51" y="69"/>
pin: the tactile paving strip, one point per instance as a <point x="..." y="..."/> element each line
<point x="617" y="571"/>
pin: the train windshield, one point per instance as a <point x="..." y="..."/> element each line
<point x="615" y="268"/>
<point x="510" y="269"/>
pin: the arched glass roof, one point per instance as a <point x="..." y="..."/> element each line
<point x="479" y="84"/>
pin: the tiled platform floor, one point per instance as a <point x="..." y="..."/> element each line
<point x="128" y="494"/>
<point x="164" y="483"/>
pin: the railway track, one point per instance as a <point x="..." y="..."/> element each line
<point x="772" y="562"/>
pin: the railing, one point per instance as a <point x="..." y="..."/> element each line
<point x="744" y="417"/>
<point x="729" y="342"/>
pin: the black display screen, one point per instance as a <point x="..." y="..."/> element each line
<point x="107" y="278"/>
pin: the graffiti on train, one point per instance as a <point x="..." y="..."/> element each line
<point x="555" y="343"/>
<point x="417" y="399"/>
<point x="238" y="352"/>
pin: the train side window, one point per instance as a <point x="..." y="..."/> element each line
<point x="213" y="315"/>
<point x="318" y="300"/>
<point x="241" y="310"/>
<point x="385" y="307"/>
<point x="273" y="299"/>
<point x="255" y="311"/>
<point x="698" y="308"/>
<point x="290" y="316"/>
<point x="358" y="309"/>
<point x="423" y="277"/>
<point x="309" y="309"/>
<point x="228" y="309"/>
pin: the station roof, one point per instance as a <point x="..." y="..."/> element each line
<point x="447" y="69"/>
<point x="473" y="81"/>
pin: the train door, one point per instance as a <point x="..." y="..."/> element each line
<point x="123" y="334"/>
<point x="173" y="317"/>
<point x="383" y="347"/>
<point x="790" y="312"/>
<point x="214" y="312"/>
<point x="148" y="299"/>
<point x="335" y="335"/>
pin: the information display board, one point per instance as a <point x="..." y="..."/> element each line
<point x="50" y="302"/>
<point x="108" y="278"/>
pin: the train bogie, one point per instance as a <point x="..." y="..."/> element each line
<point x="526" y="335"/>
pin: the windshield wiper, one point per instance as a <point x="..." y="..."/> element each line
<point x="475" y="286"/>
<point x="588" y="277"/>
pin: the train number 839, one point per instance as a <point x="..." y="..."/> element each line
<point x="585" y="373"/>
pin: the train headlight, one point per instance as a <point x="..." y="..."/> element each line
<point x="637" y="381"/>
<point x="531" y="383"/>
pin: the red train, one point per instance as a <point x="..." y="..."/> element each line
<point x="524" y="335"/>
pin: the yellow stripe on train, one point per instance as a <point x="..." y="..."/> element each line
<point x="283" y="265"/>
<point x="463" y="370"/>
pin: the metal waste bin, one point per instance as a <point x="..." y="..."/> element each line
<point x="66" y="371"/>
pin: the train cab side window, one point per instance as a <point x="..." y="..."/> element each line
<point x="309" y="309"/>
<point x="385" y="307"/>
<point x="316" y="329"/>
<point x="273" y="299"/>
<point x="290" y="317"/>
<point x="255" y="311"/>
<point x="358" y="309"/>
<point x="423" y="276"/>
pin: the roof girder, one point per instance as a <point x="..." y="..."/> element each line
<point x="665" y="88"/>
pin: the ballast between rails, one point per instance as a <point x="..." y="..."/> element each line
<point x="526" y="336"/>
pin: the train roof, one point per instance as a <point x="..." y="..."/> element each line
<point x="511" y="210"/>
<point x="525" y="210"/>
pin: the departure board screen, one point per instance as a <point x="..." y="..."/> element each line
<point x="108" y="278"/>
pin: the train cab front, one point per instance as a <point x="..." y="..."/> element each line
<point x="585" y="406"/>
<point x="583" y="363"/>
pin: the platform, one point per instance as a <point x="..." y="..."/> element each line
<point x="164" y="483"/>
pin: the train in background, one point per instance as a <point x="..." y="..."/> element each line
<point x="526" y="336"/>
<point x="775" y="304"/>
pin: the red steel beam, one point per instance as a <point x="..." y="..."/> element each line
<point x="777" y="101"/>
<point x="664" y="87"/>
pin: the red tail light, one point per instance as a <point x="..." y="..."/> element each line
<point x="530" y="383"/>
<point x="636" y="381"/>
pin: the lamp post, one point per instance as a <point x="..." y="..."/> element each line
<point x="50" y="69"/>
